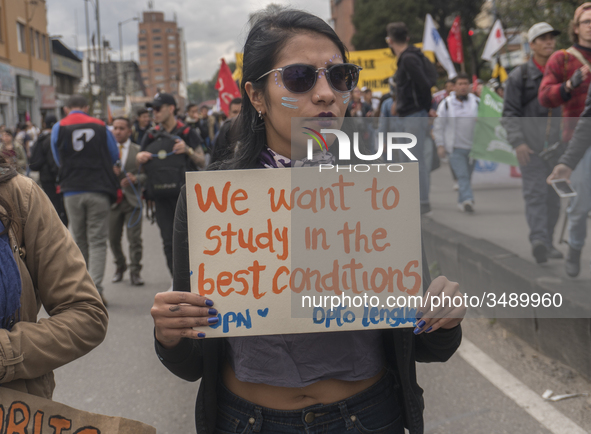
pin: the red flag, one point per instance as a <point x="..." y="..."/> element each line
<point x="226" y="87"/>
<point x="454" y="42"/>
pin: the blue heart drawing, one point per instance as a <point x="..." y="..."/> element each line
<point x="263" y="312"/>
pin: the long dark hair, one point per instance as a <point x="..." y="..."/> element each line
<point x="7" y="172"/>
<point x="269" y="33"/>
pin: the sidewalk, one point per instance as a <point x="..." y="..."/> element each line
<point x="499" y="218"/>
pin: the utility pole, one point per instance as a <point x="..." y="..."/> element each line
<point x="88" y="51"/>
<point x="100" y="62"/>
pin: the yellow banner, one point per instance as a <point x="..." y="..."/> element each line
<point x="378" y="66"/>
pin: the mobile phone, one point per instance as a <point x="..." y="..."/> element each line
<point x="563" y="188"/>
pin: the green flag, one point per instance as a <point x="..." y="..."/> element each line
<point x="490" y="138"/>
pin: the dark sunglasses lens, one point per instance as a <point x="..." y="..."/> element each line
<point x="299" y="78"/>
<point x="344" y="78"/>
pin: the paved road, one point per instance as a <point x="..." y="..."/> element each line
<point x="123" y="377"/>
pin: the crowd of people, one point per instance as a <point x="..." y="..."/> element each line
<point x="100" y="178"/>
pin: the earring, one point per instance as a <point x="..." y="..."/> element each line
<point x="260" y="114"/>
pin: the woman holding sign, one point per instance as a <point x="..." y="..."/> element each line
<point x="360" y="381"/>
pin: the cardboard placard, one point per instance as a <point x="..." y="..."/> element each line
<point x="275" y="249"/>
<point x="24" y="413"/>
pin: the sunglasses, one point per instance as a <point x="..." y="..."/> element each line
<point x="301" y="78"/>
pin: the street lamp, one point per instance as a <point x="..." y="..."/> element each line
<point x="121" y="37"/>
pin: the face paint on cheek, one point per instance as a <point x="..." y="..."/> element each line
<point x="291" y="106"/>
<point x="346" y="97"/>
<point x="276" y="82"/>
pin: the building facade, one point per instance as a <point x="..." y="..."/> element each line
<point x="160" y="53"/>
<point x="67" y="72"/>
<point x="25" y="55"/>
<point x="341" y="13"/>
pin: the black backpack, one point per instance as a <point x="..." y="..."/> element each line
<point x="165" y="171"/>
<point x="429" y="69"/>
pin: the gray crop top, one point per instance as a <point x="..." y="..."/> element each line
<point x="299" y="360"/>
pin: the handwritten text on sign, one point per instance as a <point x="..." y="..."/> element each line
<point x="298" y="251"/>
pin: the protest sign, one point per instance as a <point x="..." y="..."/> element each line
<point x="304" y="250"/>
<point x="490" y="138"/>
<point x="22" y="413"/>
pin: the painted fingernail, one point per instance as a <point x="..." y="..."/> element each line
<point x="429" y="329"/>
<point x="421" y="324"/>
<point x="417" y="331"/>
<point x="213" y="320"/>
<point x="209" y="302"/>
<point x="201" y="335"/>
<point x="212" y="312"/>
<point x="419" y="315"/>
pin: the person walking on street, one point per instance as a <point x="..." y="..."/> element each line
<point x="126" y="212"/>
<point x="42" y="161"/>
<point x="13" y="151"/>
<point x="187" y="144"/>
<point x="565" y="83"/>
<point x="453" y="130"/>
<point x="414" y="78"/>
<point x="142" y="124"/>
<point x="530" y="129"/>
<point x="86" y="152"/>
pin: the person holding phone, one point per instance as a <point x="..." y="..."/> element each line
<point x="371" y="386"/>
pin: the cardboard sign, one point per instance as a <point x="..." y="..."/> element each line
<point x="276" y="250"/>
<point x="21" y="413"/>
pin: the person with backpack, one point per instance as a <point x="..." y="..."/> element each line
<point x="530" y="129"/>
<point x="565" y="83"/>
<point x="453" y="131"/>
<point x="168" y="150"/>
<point x="415" y="77"/>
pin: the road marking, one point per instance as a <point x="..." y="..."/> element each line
<point x="530" y="401"/>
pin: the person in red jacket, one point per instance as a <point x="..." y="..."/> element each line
<point x="565" y="83"/>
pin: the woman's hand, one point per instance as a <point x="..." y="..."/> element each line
<point x="438" y="309"/>
<point x="175" y="314"/>
<point x="143" y="157"/>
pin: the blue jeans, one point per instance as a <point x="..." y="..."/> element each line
<point x="463" y="166"/>
<point x="374" y="410"/>
<point x="418" y="124"/>
<point x="580" y="205"/>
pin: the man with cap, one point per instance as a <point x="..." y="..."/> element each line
<point x="565" y="83"/>
<point x="530" y="129"/>
<point x="188" y="144"/>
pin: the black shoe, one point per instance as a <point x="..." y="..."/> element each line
<point x="554" y="253"/>
<point x="572" y="265"/>
<point x="540" y="251"/>
<point x="118" y="276"/>
<point x="135" y="278"/>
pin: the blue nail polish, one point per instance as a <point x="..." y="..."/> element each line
<point x="419" y="315"/>
<point x="213" y="320"/>
<point x="201" y="335"/>
<point x="212" y="312"/>
<point x="429" y="329"/>
<point x="209" y="302"/>
<point x="417" y="331"/>
<point x="421" y="324"/>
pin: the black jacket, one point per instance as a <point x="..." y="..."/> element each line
<point x="413" y="91"/>
<point x="192" y="360"/>
<point x="524" y="118"/>
<point x="42" y="160"/>
<point x="580" y="141"/>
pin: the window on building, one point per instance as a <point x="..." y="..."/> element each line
<point x="172" y="54"/>
<point x="172" y="69"/>
<point x="155" y="30"/>
<point x="169" y="30"/>
<point x="171" y="46"/>
<point x="38" y="44"/>
<point x="173" y="85"/>
<point x="158" y="70"/>
<point x="156" y="46"/>
<point x="171" y="37"/>
<point x="142" y="47"/>
<point x="158" y="53"/>
<point x="143" y="31"/>
<point x="143" y="54"/>
<point x="159" y="78"/>
<point x="21" y="37"/>
<point x="43" y="47"/>
<point x="172" y="62"/>
<point x="156" y="38"/>
<point x="141" y="39"/>
<point x="143" y="62"/>
<point x="158" y="62"/>
<point x="32" y="40"/>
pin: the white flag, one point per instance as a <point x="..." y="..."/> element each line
<point x="433" y="42"/>
<point x="495" y="41"/>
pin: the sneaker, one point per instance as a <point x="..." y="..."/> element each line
<point x="572" y="265"/>
<point x="466" y="206"/>
<point x="554" y="253"/>
<point x="540" y="251"/>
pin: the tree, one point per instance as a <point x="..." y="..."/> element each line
<point x="200" y="91"/>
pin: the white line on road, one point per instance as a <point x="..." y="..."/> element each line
<point x="530" y="401"/>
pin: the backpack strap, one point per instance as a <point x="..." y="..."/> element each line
<point x="578" y="55"/>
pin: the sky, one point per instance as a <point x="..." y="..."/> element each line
<point x="213" y="29"/>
